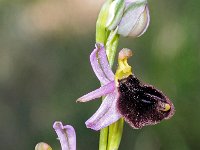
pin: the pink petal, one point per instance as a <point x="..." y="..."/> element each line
<point x="100" y="65"/>
<point x="106" y="114"/>
<point x="103" y="60"/>
<point x="66" y="135"/>
<point x="103" y="90"/>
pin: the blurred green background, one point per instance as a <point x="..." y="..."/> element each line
<point x="44" y="68"/>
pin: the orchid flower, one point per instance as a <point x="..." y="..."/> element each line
<point x="66" y="135"/>
<point x="125" y="96"/>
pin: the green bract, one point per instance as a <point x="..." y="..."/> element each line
<point x="115" y="14"/>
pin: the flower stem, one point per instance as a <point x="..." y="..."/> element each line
<point x="115" y="134"/>
<point x="101" y="37"/>
<point x="110" y="137"/>
<point x="103" y="140"/>
<point x="115" y="130"/>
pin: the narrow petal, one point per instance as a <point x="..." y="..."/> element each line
<point x="103" y="60"/>
<point x="106" y="114"/>
<point x="100" y="64"/>
<point x="102" y="91"/>
<point x="66" y="135"/>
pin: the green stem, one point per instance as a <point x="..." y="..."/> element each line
<point x="115" y="134"/>
<point x="115" y="129"/>
<point x="103" y="140"/>
<point x="101" y="37"/>
<point x="110" y="137"/>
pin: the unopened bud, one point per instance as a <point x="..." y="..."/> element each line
<point x="135" y="19"/>
<point x="42" y="146"/>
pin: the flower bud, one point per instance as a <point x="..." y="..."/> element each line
<point x="42" y="146"/>
<point x="135" y="19"/>
<point x="115" y="13"/>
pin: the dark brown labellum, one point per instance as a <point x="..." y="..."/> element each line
<point x="141" y="104"/>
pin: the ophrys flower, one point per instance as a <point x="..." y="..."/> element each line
<point x="125" y="96"/>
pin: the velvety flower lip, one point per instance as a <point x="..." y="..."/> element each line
<point x="125" y="96"/>
<point x="66" y="135"/>
<point x="141" y="104"/>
